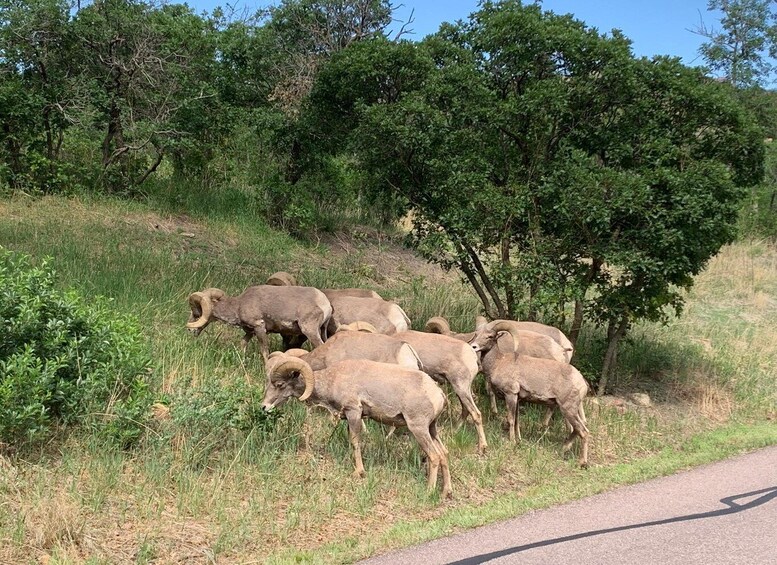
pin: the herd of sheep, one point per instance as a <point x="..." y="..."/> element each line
<point x="366" y="362"/>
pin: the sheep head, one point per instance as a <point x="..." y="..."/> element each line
<point x="201" y="304"/>
<point x="487" y="336"/>
<point x="287" y="377"/>
<point x="438" y="325"/>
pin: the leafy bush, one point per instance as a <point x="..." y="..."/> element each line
<point x="216" y="415"/>
<point x="64" y="360"/>
<point x="758" y="217"/>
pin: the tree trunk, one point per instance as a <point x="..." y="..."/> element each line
<point x="577" y="323"/>
<point x="159" y="156"/>
<point x="478" y="289"/>
<point x="114" y="136"/>
<point x="481" y="271"/>
<point x="532" y="314"/>
<point x="14" y="156"/>
<point x="509" y="294"/>
<point x="293" y="167"/>
<point x="615" y="331"/>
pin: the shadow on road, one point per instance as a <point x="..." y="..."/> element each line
<point x="732" y="507"/>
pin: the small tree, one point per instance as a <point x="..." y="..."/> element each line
<point x="740" y="49"/>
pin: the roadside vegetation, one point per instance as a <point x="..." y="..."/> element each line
<point x="147" y="152"/>
<point x="212" y="477"/>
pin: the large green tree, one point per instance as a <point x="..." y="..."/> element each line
<point x="546" y="163"/>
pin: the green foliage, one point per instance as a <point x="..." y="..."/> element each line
<point x="739" y="50"/>
<point x="65" y="361"/>
<point x="758" y="217"/>
<point x="545" y="162"/>
<point x="215" y="415"/>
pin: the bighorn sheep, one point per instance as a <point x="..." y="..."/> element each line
<point x="387" y="317"/>
<point x="282" y="278"/>
<point x="356" y="292"/>
<point x="530" y="343"/>
<point x="287" y="310"/>
<point x="359" y="345"/>
<point x="448" y="359"/>
<point x="554" y="333"/>
<point x="356" y="389"/>
<point x="542" y="381"/>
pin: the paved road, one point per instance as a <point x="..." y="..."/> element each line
<point x="723" y="513"/>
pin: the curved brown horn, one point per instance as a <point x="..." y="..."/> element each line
<point x="359" y="326"/>
<point x="215" y="294"/>
<point x="201" y="301"/>
<point x="296" y="352"/>
<point x="437" y="325"/>
<point x="282" y="278"/>
<point x="480" y="321"/>
<point x="284" y="368"/>
<point x="506" y="326"/>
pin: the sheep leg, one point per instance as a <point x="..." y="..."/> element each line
<point x="549" y="415"/>
<point x="447" y="489"/>
<point x="491" y="395"/>
<point x="312" y="331"/>
<point x="354" y="433"/>
<point x="464" y="392"/>
<point x="580" y="430"/>
<point x="249" y="333"/>
<point x="433" y="453"/>
<point x="261" y="336"/>
<point x="513" y="412"/>
<point x="546" y="418"/>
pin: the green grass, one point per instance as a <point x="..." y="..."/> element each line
<point x="205" y="484"/>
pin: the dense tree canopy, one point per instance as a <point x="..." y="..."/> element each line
<point x="546" y="163"/>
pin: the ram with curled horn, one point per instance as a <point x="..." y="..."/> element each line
<point x="387" y="317"/>
<point x="282" y="278"/>
<point x="294" y="312"/>
<point x="361" y="343"/>
<point x="564" y="352"/>
<point x="356" y="389"/>
<point x="543" y="381"/>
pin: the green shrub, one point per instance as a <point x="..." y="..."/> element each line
<point x="66" y="361"/>
<point x="217" y="415"/>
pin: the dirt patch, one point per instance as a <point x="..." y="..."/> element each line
<point x="382" y="259"/>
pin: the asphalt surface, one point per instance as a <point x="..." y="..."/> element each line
<point x="722" y="513"/>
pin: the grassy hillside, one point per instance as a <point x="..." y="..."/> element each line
<point x="209" y="483"/>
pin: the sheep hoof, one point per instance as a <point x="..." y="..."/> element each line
<point x="359" y="474"/>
